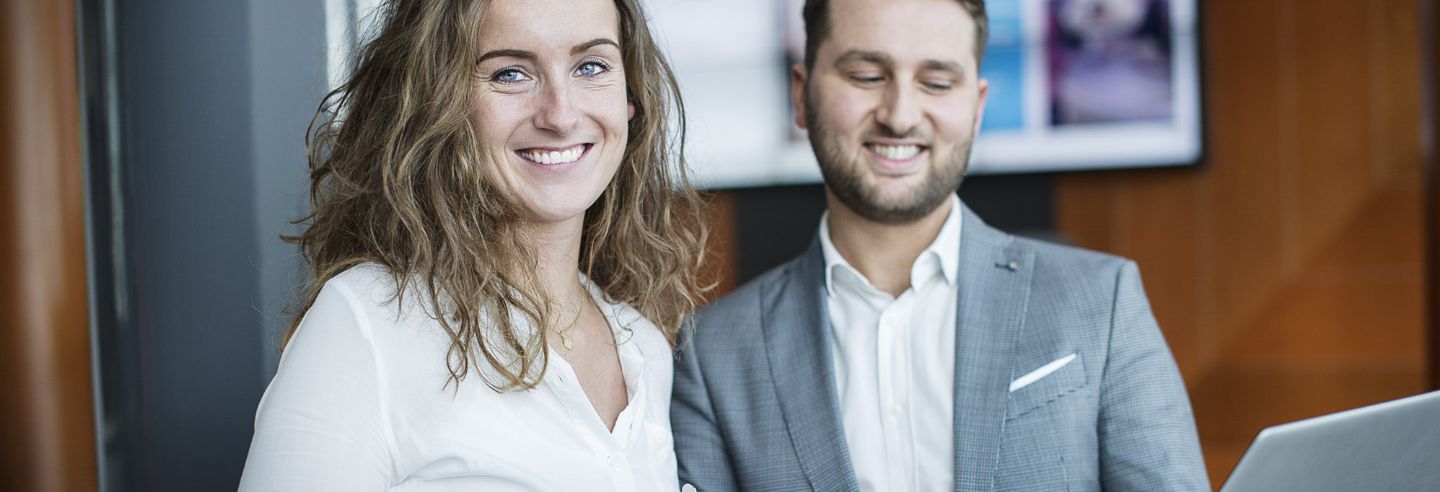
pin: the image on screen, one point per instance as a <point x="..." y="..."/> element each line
<point x="1074" y="84"/>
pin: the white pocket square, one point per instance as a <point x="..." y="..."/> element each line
<point x="1043" y="371"/>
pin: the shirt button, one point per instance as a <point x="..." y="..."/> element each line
<point x="612" y="461"/>
<point x="895" y="409"/>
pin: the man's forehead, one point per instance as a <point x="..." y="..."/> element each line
<point x="905" y="30"/>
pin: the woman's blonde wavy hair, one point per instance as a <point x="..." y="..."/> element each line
<point x="396" y="179"/>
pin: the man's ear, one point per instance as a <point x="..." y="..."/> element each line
<point x="798" y="77"/>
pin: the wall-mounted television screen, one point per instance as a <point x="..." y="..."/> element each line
<point x="1074" y="85"/>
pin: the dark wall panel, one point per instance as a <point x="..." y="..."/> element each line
<point x="207" y="116"/>
<point x="188" y="184"/>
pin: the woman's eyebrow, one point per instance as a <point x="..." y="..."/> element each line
<point x="593" y="43"/>
<point x="530" y="55"/>
<point x="505" y="53"/>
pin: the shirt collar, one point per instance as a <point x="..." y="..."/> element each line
<point x="945" y="248"/>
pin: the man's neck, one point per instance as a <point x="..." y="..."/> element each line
<point x="883" y="253"/>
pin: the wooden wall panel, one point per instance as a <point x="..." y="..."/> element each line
<point x="47" y="439"/>
<point x="722" y="244"/>
<point x="1430" y="175"/>
<point x="1288" y="270"/>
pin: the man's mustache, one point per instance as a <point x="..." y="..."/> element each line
<point x="880" y="132"/>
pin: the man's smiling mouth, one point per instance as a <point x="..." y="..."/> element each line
<point x="896" y="152"/>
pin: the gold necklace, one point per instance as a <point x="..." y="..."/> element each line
<point x="565" y="340"/>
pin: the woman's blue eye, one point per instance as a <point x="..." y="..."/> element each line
<point x="509" y="76"/>
<point x="592" y="68"/>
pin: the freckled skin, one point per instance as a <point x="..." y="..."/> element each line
<point x="553" y="100"/>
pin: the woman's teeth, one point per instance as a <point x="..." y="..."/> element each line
<point x="895" y="152"/>
<point x="571" y="154"/>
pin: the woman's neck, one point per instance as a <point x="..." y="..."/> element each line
<point x="557" y="249"/>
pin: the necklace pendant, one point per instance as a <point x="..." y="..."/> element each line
<point x="569" y="344"/>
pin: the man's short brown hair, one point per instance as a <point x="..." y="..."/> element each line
<point x="817" y="27"/>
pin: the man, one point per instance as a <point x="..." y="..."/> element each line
<point x="914" y="347"/>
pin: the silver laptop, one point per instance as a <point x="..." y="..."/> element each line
<point x="1390" y="446"/>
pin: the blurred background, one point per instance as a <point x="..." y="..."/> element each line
<point x="1270" y="167"/>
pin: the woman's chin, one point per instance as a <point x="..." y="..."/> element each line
<point x="557" y="209"/>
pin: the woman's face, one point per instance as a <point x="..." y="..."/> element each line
<point x="550" y="106"/>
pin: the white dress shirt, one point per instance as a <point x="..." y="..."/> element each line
<point x="360" y="402"/>
<point x="894" y="365"/>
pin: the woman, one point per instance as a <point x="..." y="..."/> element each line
<point x="503" y="244"/>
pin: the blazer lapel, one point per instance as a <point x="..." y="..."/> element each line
<point x="993" y="295"/>
<point x="797" y="342"/>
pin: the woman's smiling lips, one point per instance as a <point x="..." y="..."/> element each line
<point x="554" y="157"/>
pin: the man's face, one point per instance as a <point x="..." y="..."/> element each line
<point x="892" y="104"/>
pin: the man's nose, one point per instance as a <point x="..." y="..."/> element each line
<point x="899" y="112"/>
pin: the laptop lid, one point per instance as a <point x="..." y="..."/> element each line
<point x="1389" y="446"/>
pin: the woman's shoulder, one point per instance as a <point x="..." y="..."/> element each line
<point x="365" y="282"/>
<point x="374" y="286"/>
<point x="368" y="292"/>
<point x="356" y="314"/>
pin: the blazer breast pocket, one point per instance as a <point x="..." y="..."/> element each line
<point x="1046" y="384"/>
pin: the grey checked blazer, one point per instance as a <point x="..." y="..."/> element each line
<point x="755" y="402"/>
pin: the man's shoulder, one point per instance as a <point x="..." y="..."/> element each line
<point x="740" y="307"/>
<point x="1074" y="283"/>
<point x="736" y="316"/>
<point x="1053" y="259"/>
<point x="1052" y="262"/>
<point x="747" y="298"/>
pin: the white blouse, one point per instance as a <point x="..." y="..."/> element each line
<point x="360" y="402"/>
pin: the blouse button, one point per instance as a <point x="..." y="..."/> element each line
<point x="612" y="460"/>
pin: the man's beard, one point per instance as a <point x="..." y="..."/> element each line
<point x="847" y="182"/>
